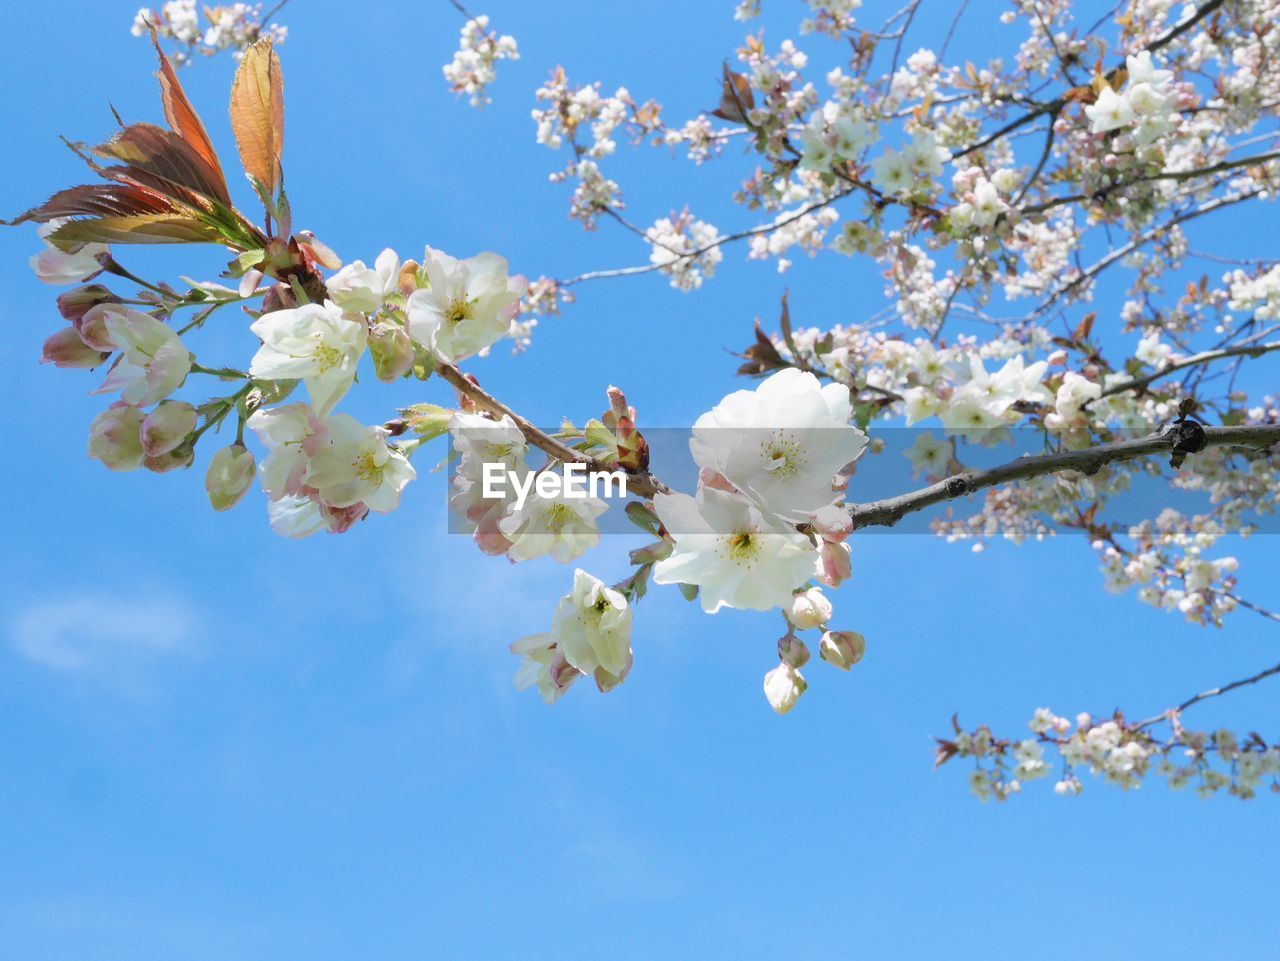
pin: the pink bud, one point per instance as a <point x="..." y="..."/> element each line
<point x="229" y="476"/>
<point x="618" y="405"/>
<point x="92" y="326"/>
<point x="836" y="564"/>
<point x="167" y="426"/>
<point x="75" y="303"/>
<point x="833" y="523"/>
<point x="115" y="437"/>
<point x="66" y="349"/>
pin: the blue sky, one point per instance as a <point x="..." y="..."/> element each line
<point x="218" y="744"/>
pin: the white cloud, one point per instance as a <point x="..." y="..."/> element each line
<point x="88" y="633"/>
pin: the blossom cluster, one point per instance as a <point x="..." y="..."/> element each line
<point x="473" y="66"/>
<point x="1116" y="752"/>
<point x="322" y="470"/>
<point x="232" y="26"/>
<point x="1023" y="180"/>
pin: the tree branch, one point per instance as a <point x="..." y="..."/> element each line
<point x="1178" y="175"/>
<point x="782" y="221"/>
<point x="645" y="485"/>
<point x="1141" y="240"/>
<point x="1056" y="105"/>
<point x="1195" y="360"/>
<point x="1206" y="695"/>
<point x="889" y="511"/>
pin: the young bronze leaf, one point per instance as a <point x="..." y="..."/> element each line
<point x="736" y="98"/>
<point x="140" y="229"/>
<point x="97" y="200"/>
<point x="184" y="120"/>
<point x="257" y="114"/>
<point x="163" y="154"/>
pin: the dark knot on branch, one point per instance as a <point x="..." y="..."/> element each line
<point x="1188" y="438"/>
<point x="956" y="487"/>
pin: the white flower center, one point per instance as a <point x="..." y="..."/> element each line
<point x="326" y="355"/>
<point x="458" y="311"/>
<point x="367" y="468"/>
<point x="742" y="546"/>
<point x="782" y="455"/>
<point x="557" y="516"/>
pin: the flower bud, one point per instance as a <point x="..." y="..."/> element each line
<point x="792" y="651"/>
<point x="230" y="474"/>
<point x="618" y="408"/>
<point x="115" y="437"/>
<point x="66" y="349"/>
<point x="278" y="297"/>
<point x="167" y="426"/>
<point x="842" y="649"/>
<point x="75" y="303"/>
<point x="428" y="421"/>
<point x="179" y="458"/>
<point x="407" y="280"/>
<point x="392" y="350"/>
<point x="783" y="687"/>
<point x="835" y="565"/>
<point x="356" y="287"/>
<point x="809" y="609"/>
<point x="833" y="523"/>
<point x="92" y="326"/>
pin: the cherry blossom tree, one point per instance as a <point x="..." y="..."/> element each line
<point x="995" y="197"/>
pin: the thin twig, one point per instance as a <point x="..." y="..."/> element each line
<point x="1195" y="360"/>
<point x="1141" y="240"/>
<point x="1206" y="695"/>
<point x="889" y="511"/>
<point x="718" y="242"/>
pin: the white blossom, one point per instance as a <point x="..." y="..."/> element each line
<point x="733" y="553"/>
<point x="315" y="343"/>
<point x="467" y="306"/>
<point x="781" y="444"/>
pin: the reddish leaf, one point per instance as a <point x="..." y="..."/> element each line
<point x="736" y="97"/>
<point x="98" y="200"/>
<point x="257" y="114"/>
<point x="165" y="155"/>
<point x="1085" y="328"/>
<point x="946" y="751"/>
<point x="184" y="120"/>
<point x="761" y="357"/>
